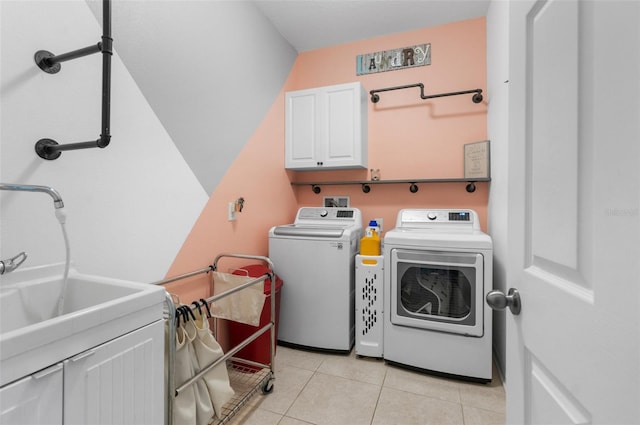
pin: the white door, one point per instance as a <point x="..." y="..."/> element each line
<point x="574" y="222"/>
<point x="345" y="109"/>
<point x="301" y="129"/>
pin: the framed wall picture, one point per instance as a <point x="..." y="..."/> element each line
<point x="477" y="162"/>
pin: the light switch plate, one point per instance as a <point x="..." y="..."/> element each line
<point x="232" y="211"/>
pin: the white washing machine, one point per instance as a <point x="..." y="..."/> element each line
<point x="315" y="258"/>
<point x="438" y="270"/>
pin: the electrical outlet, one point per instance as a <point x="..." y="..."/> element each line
<point x="232" y="211"/>
<point x="336" y="201"/>
<point x="379" y="221"/>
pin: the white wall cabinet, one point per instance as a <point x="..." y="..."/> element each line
<point x="34" y="400"/>
<point x="119" y="382"/>
<point x="326" y="128"/>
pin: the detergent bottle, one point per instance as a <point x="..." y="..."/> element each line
<point x="370" y="242"/>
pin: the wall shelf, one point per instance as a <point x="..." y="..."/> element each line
<point x="413" y="188"/>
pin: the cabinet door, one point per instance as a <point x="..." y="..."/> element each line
<point x="120" y="382"/>
<point x="301" y="131"/>
<point x="345" y="146"/>
<point x="34" y="400"/>
<point x="326" y="128"/>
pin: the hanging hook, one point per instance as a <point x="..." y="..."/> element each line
<point x="189" y="312"/>
<point x="206" y="305"/>
<point x="197" y="305"/>
<point x="185" y="314"/>
<point x="366" y="188"/>
<point x="177" y="318"/>
<point x="185" y="318"/>
<point x="316" y="189"/>
<point x="413" y="188"/>
<point x="471" y="187"/>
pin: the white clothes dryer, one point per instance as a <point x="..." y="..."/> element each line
<point x="315" y="257"/>
<point x="438" y="270"/>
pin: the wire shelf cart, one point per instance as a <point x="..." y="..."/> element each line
<point x="246" y="377"/>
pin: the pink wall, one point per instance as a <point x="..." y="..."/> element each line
<point x="409" y="138"/>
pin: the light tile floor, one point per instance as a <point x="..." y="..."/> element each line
<point x="328" y="389"/>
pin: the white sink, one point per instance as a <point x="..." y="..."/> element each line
<point x="96" y="309"/>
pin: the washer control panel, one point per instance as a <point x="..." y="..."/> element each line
<point x="322" y="216"/>
<point x="330" y="213"/>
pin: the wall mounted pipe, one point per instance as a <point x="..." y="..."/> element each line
<point x="50" y="149"/>
<point x="477" y="93"/>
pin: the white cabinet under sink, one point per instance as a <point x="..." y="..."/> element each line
<point x="118" y="382"/>
<point x="34" y="400"/>
<point x="326" y="128"/>
<point x="99" y="361"/>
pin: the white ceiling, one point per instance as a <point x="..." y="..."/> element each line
<point x="313" y="24"/>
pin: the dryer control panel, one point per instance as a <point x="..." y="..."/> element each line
<point x="436" y="217"/>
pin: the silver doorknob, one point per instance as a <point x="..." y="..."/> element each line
<point x="497" y="300"/>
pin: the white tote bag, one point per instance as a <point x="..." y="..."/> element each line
<point x="184" y="408"/>
<point x="208" y="351"/>
<point x="203" y="406"/>
<point x="244" y="306"/>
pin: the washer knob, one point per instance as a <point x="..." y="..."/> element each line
<point x="432" y="216"/>
<point x="324" y="213"/>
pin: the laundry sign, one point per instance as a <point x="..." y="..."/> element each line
<point x="394" y="59"/>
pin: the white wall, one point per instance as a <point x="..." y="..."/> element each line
<point x="180" y="114"/>
<point x="129" y="206"/>
<point x="209" y="69"/>
<point x="497" y="96"/>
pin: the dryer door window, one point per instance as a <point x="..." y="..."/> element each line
<point x="440" y="291"/>
<point x="445" y="292"/>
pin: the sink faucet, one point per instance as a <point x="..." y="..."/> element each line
<point x="57" y="200"/>
<point x="7" y="266"/>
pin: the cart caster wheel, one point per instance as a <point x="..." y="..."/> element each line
<point x="267" y="387"/>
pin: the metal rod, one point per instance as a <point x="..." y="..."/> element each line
<point x="183" y="276"/>
<point x="477" y="97"/>
<point x="272" y="335"/>
<point x="171" y="357"/>
<point x="107" y="52"/>
<point x="72" y="146"/>
<point x="73" y="55"/>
